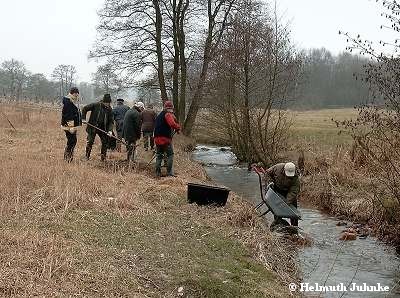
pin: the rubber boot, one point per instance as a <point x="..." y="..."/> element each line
<point x="88" y="151"/>
<point x="68" y="155"/>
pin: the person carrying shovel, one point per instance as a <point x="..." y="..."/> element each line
<point x="100" y="123"/>
<point x="70" y="120"/>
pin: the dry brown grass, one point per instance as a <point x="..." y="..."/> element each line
<point x="95" y="229"/>
<point x="340" y="184"/>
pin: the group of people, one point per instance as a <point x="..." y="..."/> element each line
<point x="130" y="125"/>
<point x="158" y="130"/>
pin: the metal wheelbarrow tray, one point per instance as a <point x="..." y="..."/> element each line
<point x="278" y="206"/>
<point x="275" y="202"/>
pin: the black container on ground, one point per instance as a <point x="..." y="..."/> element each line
<point x="207" y="194"/>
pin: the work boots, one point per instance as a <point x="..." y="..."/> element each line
<point x="118" y="147"/>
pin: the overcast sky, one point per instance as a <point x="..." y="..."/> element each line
<point x="45" y="33"/>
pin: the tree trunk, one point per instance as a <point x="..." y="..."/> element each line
<point x="182" y="58"/>
<point x="212" y="41"/>
<point x="160" y="61"/>
<point x="195" y="105"/>
<point x="176" y="9"/>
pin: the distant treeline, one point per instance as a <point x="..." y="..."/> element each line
<point x="330" y="81"/>
<point x="18" y="83"/>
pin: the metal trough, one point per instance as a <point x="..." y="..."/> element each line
<point x="206" y="194"/>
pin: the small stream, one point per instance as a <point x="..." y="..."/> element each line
<point x="328" y="261"/>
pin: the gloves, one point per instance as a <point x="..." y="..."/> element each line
<point x="109" y="133"/>
<point x="84" y="121"/>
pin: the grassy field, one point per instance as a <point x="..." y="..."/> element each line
<point x="314" y="128"/>
<point x="102" y="229"/>
<point x="317" y="128"/>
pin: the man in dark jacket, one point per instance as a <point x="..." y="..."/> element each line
<point x="149" y="118"/>
<point x="70" y="120"/>
<point x="100" y="117"/>
<point x="163" y="131"/>
<point x="119" y="113"/>
<point x="287" y="183"/>
<point x="132" y="128"/>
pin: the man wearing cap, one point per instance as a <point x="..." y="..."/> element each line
<point x="132" y="128"/>
<point x="70" y="120"/>
<point x="100" y="117"/>
<point x="119" y="112"/>
<point x="149" y="118"/>
<point x="287" y="183"/>
<point x="165" y="125"/>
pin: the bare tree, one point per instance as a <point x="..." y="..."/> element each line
<point x="16" y="75"/>
<point x="147" y="36"/>
<point x="105" y="80"/>
<point x="253" y="75"/>
<point x="131" y="38"/>
<point x="218" y="13"/>
<point x="64" y="76"/>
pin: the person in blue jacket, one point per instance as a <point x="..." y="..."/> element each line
<point x="119" y="112"/>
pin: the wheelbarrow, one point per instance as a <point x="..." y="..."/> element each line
<point x="274" y="201"/>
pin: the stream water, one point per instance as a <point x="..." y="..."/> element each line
<point x="328" y="261"/>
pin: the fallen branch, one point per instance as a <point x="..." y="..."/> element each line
<point x="9" y="120"/>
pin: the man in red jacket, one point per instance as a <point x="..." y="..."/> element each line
<point x="165" y="126"/>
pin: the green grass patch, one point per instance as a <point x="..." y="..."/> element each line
<point x="155" y="254"/>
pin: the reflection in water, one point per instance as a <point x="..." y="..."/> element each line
<point x="328" y="261"/>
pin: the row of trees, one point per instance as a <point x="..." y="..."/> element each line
<point x="18" y="83"/>
<point x="330" y="81"/>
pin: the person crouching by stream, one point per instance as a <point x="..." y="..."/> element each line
<point x="70" y="120"/>
<point x="132" y="128"/>
<point x="100" y="122"/>
<point x="287" y="183"/>
<point x="165" y="125"/>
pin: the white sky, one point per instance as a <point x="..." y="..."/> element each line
<point x="316" y="23"/>
<point x="45" y="33"/>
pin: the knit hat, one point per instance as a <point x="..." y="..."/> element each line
<point x="73" y="90"/>
<point x="168" y="105"/>
<point x="107" y="98"/>
<point x="120" y="100"/>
